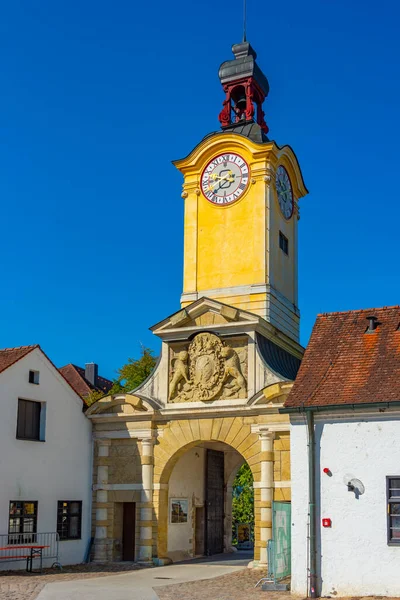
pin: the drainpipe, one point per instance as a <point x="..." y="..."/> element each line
<point x="311" y="504"/>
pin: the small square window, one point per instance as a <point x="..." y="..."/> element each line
<point x="69" y="519"/>
<point x="34" y="377"/>
<point x="283" y="243"/>
<point x="393" y="510"/>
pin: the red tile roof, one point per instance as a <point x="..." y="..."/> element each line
<point x="345" y="365"/>
<point x="76" y="377"/>
<point x="9" y="356"/>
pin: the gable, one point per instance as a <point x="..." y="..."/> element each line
<point x="204" y="312"/>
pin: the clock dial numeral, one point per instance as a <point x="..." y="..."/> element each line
<point x="225" y="179"/>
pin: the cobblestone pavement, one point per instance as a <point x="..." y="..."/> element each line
<point x="235" y="586"/>
<point x="238" y="585"/>
<point x="20" y="585"/>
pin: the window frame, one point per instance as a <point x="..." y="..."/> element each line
<point x="40" y="419"/>
<point x="68" y="515"/>
<point x="35" y="378"/>
<point x="283" y="243"/>
<point x="23" y="517"/>
<point x="391" y="541"/>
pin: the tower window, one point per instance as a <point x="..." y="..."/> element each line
<point x="283" y="243"/>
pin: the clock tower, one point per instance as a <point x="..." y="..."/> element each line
<point x="241" y="192"/>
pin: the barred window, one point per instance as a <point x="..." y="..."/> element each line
<point x="393" y="509"/>
<point x="69" y="519"/>
<point x="22" y="522"/>
<point x="283" y="243"/>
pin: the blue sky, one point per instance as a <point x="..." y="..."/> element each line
<point x="98" y="98"/>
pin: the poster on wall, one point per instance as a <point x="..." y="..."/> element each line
<point x="179" y="510"/>
<point x="244" y="535"/>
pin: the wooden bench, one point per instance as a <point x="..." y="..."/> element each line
<point x="35" y="551"/>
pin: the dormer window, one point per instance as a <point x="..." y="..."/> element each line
<point x="34" y="377"/>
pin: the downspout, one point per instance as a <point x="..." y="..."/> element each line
<point x="311" y="504"/>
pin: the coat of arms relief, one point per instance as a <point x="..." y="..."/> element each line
<point x="208" y="369"/>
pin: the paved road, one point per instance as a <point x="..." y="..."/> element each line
<point x="138" y="585"/>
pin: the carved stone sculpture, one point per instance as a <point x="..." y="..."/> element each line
<point x="207" y="370"/>
<point x="180" y="371"/>
<point x="233" y="373"/>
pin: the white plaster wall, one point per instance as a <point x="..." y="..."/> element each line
<point x="186" y="481"/>
<point x="58" y="468"/>
<point x="356" y="559"/>
<point x="299" y="482"/>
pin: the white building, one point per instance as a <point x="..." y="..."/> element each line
<point x="45" y="455"/>
<point x="346" y="403"/>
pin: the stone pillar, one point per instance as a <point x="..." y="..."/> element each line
<point x="100" y="539"/>
<point x="266" y="492"/>
<point x="146" y="503"/>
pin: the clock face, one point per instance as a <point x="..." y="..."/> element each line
<point x="284" y="191"/>
<point x="225" y="179"/>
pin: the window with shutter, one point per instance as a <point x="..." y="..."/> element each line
<point x="28" y="420"/>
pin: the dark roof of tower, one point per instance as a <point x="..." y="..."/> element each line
<point x="279" y="360"/>
<point x="250" y="130"/>
<point x="243" y="65"/>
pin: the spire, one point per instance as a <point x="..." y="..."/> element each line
<point x="245" y="85"/>
<point x="244" y="19"/>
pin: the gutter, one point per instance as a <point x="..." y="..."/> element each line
<point x="338" y="407"/>
<point x="311" y="506"/>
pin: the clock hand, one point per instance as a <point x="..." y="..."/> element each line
<point x="228" y="177"/>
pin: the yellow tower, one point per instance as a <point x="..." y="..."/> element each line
<point x="241" y="193"/>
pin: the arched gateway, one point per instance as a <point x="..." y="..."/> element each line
<point x="166" y="455"/>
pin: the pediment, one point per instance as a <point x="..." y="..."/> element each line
<point x="204" y="313"/>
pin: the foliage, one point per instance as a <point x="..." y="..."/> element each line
<point x="134" y="372"/>
<point x="93" y="397"/>
<point x="243" y="499"/>
<point x="130" y="375"/>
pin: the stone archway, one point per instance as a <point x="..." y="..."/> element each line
<point x="179" y="436"/>
<point x="187" y="480"/>
<point x="137" y="447"/>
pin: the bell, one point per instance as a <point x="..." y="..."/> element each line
<point x="241" y="102"/>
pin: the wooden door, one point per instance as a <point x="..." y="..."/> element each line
<point x="128" y="531"/>
<point x="214" y="502"/>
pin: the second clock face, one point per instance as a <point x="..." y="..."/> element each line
<point x="284" y="191"/>
<point x="225" y="178"/>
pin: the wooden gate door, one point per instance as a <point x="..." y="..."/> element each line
<point x="214" y="502"/>
<point x="128" y="531"/>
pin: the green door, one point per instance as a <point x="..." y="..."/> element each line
<point x="281" y="530"/>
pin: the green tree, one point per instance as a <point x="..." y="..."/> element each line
<point x="243" y="499"/>
<point x="134" y="372"/>
<point x="130" y="375"/>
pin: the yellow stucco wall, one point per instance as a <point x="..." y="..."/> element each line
<point x="238" y="244"/>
